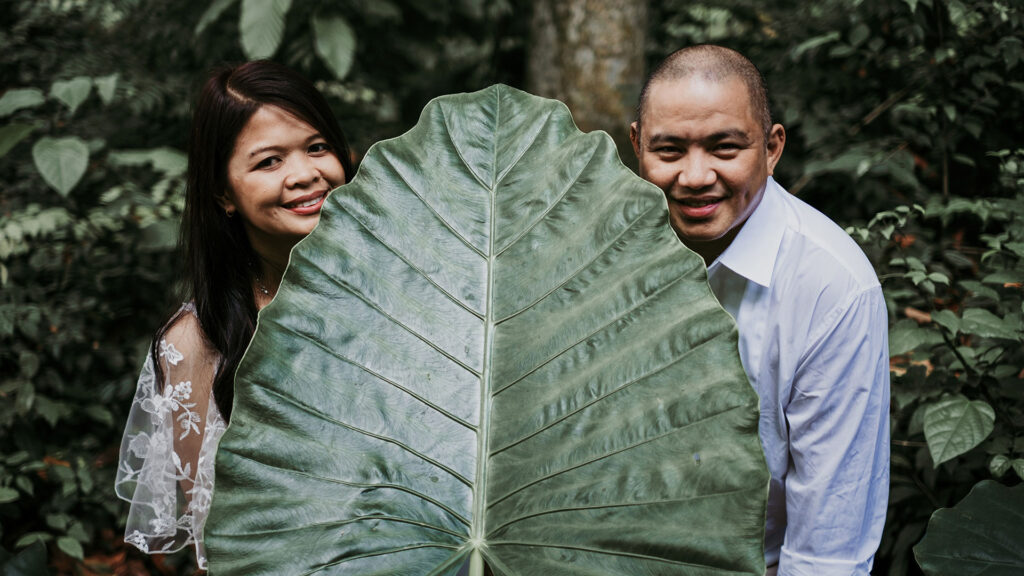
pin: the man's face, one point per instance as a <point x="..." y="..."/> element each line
<point x="702" y="145"/>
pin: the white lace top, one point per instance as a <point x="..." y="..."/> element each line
<point x="166" y="462"/>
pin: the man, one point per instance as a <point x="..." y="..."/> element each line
<point x="811" y="316"/>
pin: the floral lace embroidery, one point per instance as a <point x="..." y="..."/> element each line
<point x="170" y="500"/>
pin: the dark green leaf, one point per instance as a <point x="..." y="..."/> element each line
<point x="981" y="322"/>
<point x="11" y="134"/>
<point x="980" y="535"/>
<point x="167" y="160"/>
<point x="859" y="34"/>
<point x="492" y="343"/>
<point x="29" y="562"/>
<point x="999" y="465"/>
<point x="31" y="538"/>
<point x="335" y="43"/>
<point x="1005" y="277"/>
<point x="72" y="92"/>
<point x="213" y="11"/>
<point x="106" y="87"/>
<point x="812" y="43"/>
<point x="908" y="336"/>
<point x="61" y="161"/>
<point x="71" y="547"/>
<point x="8" y="495"/>
<point x="948" y="320"/>
<point x="19" y="99"/>
<point x="262" y="25"/>
<point x="954" y="425"/>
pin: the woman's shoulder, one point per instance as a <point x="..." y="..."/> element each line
<point x="183" y="338"/>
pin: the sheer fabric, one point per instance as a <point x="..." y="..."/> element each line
<point x="167" y="453"/>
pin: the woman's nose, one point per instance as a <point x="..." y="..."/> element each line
<point x="303" y="173"/>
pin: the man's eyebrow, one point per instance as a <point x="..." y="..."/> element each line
<point x="729" y="133"/>
<point x="659" y="138"/>
<point x="737" y="133"/>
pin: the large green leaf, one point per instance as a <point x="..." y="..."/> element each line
<point x="980" y="536"/>
<point x="954" y="425"/>
<point x="261" y="25"/>
<point x="492" y="344"/>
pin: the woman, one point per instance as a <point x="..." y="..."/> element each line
<point x="264" y="152"/>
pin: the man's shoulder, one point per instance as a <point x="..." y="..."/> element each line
<point x="815" y="247"/>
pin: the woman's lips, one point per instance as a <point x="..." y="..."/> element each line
<point x="306" y="205"/>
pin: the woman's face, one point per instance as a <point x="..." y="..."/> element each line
<point x="279" y="174"/>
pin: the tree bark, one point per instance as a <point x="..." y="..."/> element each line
<point x="590" y="55"/>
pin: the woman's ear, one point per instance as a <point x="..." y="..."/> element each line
<point x="227" y="204"/>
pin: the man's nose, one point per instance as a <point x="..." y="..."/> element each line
<point x="695" y="172"/>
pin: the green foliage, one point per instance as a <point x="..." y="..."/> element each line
<point x="495" y="323"/>
<point x="958" y="543"/>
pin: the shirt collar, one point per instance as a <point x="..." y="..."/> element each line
<point x="753" y="252"/>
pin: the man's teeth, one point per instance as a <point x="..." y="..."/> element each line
<point x="696" y="203"/>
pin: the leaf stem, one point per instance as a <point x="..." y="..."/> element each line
<point x="476" y="563"/>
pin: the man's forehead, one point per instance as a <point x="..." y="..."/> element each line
<point x="697" y="99"/>
<point x="696" y="89"/>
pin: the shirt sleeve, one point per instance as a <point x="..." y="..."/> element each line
<point x="166" y="461"/>
<point x="837" y="483"/>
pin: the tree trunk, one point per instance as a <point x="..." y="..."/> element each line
<point x="590" y="55"/>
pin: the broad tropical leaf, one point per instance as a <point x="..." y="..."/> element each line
<point x="11" y="134"/>
<point x="61" y="161"/>
<point x="261" y="25"/>
<point x="335" y="43"/>
<point x="72" y="92"/>
<point x="106" y="86"/>
<point x="492" y="345"/>
<point x="956" y="424"/>
<point x="19" y="98"/>
<point x="981" y="535"/>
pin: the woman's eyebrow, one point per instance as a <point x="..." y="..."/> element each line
<point x="277" y="148"/>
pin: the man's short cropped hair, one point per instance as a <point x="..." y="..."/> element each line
<point x="714" y="64"/>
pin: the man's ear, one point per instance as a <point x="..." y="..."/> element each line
<point x="776" y="142"/>
<point x="634" y="137"/>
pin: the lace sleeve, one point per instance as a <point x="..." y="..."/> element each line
<point x="167" y="453"/>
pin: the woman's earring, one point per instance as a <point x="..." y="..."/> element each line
<point x="229" y="213"/>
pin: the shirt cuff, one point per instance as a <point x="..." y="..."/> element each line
<point x="795" y="564"/>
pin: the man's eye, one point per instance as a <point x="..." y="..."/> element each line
<point x="727" y="147"/>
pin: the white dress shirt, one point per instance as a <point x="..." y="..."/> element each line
<point x="814" y="341"/>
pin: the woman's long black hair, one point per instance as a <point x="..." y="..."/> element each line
<point x="220" y="264"/>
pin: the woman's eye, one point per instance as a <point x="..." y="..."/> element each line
<point x="319" y="147"/>
<point x="268" y="162"/>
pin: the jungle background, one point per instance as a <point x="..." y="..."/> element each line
<point x="904" y="121"/>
